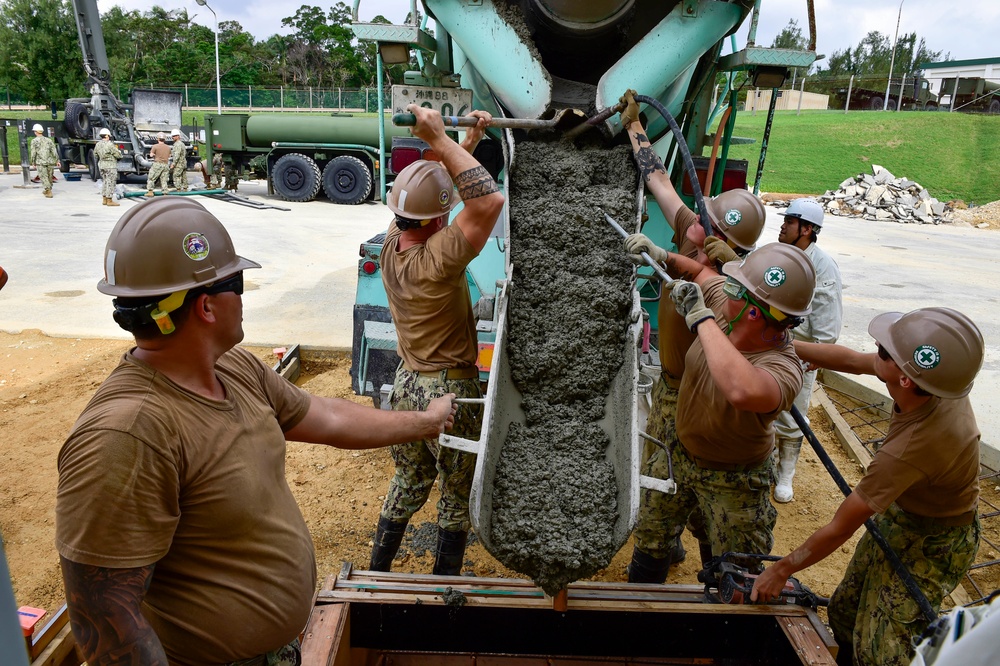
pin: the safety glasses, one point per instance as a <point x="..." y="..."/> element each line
<point x="736" y="291"/>
<point x="883" y="354"/>
<point x="233" y="283"/>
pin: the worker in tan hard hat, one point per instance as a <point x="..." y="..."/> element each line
<point x="737" y="221"/>
<point x="180" y="541"/>
<point x="160" y="170"/>
<point x="740" y="372"/>
<point x="44" y="158"/>
<point x="923" y="484"/>
<point x="178" y="161"/>
<point x="423" y="269"/>
<point x="107" y="155"/>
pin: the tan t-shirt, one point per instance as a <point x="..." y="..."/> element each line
<point x="153" y="473"/>
<point x="429" y="300"/>
<point x="708" y="425"/>
<point x="674" y="335"/>
<point x="160" y="153"/>
<point x="928" y="463"/>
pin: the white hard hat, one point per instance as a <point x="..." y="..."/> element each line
<point x="105" y="131"/>
<point x="808" y="210"/>
<point x="175" y="132"/>
<point x="37" y="128"/>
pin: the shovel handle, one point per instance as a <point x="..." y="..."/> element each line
<point x="410" y="120"/>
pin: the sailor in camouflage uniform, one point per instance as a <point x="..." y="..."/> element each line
<point x="107" y="155"/>
<point x="423" y="269"/>
<point x="44" y="158"/>
<point x="923" y="484"/>
<point x="178" y="157"/>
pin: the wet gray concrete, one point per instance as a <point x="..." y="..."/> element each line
<point x="554" y="501"/>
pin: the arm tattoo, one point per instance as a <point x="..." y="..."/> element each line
<point x="476" y="182"/>
<point x="104" y="610"/>
<point x="674" y="272"/>
<point x="649" y="162"/>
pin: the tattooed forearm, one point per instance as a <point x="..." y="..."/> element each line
<point x="649" y="162"/>
<point x="104" y="610"/>
<point x="476" y="182"/>
<point x="674" y="270"/>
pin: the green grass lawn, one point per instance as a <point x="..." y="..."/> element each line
<point x="953" y="155"/>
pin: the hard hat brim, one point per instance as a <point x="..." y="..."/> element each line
<point x="115" y="290"/>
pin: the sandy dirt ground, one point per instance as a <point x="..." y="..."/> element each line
<point x="45" y="383"/>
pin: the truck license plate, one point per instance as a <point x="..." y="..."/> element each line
<point x="449" y="101"/>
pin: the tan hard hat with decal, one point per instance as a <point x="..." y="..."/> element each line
<point x="739" y="215"/>
<point x="421" y="191"/>
<point x="166" y="245"/>
<point x="940" y="349"/>
<point x="778" y="275"/>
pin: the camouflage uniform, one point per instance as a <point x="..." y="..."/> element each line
<point x="107" y="155"/>
<point x="871" y="608"/>
<point x="44" y="157"/>
<point x="178" y="155"/>
<point x="286" y="655"/>
<point x="650" y="528"/>
<point x="419" y="463"/>
<point x="738" y="515"/>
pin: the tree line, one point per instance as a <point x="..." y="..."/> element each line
<point x="41" y="61"/>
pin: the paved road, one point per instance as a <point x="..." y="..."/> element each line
<point x="53" y="250"/>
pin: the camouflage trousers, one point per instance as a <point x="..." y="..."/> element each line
<point x="158" y="172"/>
<point x="180" y="175"/>
<point x="419" y="463"/>
<point x="651" y="525"/>
<point x="44" y="172"/>
<point x="735" y="506"/>
<point x="286" y="655"/>
<point x="871" y="613"/>
<point x="109" y="178"/>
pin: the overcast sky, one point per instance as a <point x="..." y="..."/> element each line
<point x="966" y="29"/>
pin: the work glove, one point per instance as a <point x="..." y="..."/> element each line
<point x="690" y="303"/>
<point x="635" y="244"/>
<point x="631" y="112"/>
<point x="718" y="250"/>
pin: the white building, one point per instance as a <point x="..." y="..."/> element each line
<point x="985" y="68"/>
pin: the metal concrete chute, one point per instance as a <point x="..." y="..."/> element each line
<point x="520" y="82"/>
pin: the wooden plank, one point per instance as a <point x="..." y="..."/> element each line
<point x="60" y="651"/>
<point x="806" y="643"/>
<point x="49" y="632"/>
<point x="852" y="445"/>
<point x="326" y="640"/>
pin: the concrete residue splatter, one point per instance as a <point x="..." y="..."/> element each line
<point x="453" y="597"/>
<point x="554" y="501"/>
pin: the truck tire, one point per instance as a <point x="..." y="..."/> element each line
<point x="930" y="106"/>
<point x="92" y="168"/>
<point x="994" y="107"/>
<point x="347" y="180"/>
<point x="296" y="177"/>
<point x="876" y="103"/>
<point x="77" y="120"/>
<point x="892" y="104"/>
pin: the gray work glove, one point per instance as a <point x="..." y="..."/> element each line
<point x="638" y="243"/>
<point x="690" y="303"/>
<point x="631" y="112"/>
<point x="718" y="250"/>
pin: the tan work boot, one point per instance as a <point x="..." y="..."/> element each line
<point x="48" y="194"/>
<point x="104" y="201"/>
<point x="112" y="202"/>
<point x="149" y="193"/>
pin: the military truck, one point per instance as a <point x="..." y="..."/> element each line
<point x="914" y="92"/>
<point x="970" y="94"/>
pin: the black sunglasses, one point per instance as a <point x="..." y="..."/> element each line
<point x="233" y="283"/>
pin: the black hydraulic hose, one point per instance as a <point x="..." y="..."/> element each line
<point x="699" y="198"/>
<point x="838" y="478"/>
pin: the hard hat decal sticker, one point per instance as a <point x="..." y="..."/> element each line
<point x="926" y="356"/>
<point x="774" y="276"/>
<point x="196" y="246"/>
<point x="444" y="198"/>
<point x="733" y="217"/>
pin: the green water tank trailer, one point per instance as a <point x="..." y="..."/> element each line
<point x="338" y="153"/>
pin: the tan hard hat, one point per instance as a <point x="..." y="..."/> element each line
<point x="739" y="215"/>
<point x="421" y="191"/>
<point x="777" y="275"/>
<point x="166" y="245"/>
<point x="940" y="349"/>
<point x="161" y="137"/>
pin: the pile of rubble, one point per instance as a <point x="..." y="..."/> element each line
<point x="882" y="196"/>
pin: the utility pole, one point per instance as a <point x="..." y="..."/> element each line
<point x="892" y="60"/>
